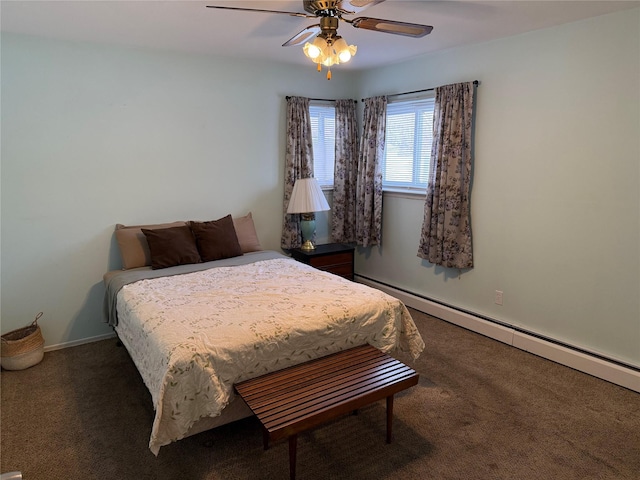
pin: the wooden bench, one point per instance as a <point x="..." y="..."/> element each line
<point x="293" y="400"/>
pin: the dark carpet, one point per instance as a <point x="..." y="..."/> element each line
<point x="482" y="410"/>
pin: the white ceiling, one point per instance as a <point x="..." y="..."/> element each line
<point x="187" y="26"/>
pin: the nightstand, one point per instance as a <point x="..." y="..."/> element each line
<point x="336" y="258"/>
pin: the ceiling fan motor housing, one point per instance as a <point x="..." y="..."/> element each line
<point x="318" y="7"/>
<point x="329" y="26"/>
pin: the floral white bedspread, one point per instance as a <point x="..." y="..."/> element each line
<point x="192" y="336"/>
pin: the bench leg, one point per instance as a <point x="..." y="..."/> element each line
<point x="293" y="445"/>
<point x="265" y="438"/>
<point x="389" y="417"/>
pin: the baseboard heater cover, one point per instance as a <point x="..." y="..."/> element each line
<point x="583" y="362"/>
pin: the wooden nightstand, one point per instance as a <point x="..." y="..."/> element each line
<point x="336" y="258"/>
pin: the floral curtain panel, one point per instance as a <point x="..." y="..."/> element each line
<point x="343" y="215"/>
<point x="369" y="183"/>
<point x="446" y="229"/>
<point x="298" y="164"/>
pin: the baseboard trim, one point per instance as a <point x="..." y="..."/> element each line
<point x="75" y="343"/>
<point x="583" y="362"/>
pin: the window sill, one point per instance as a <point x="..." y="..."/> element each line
<point x="413" y="193"/>
<point x="392" y="192"/>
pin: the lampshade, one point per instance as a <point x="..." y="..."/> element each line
<point x="307" y="197"/>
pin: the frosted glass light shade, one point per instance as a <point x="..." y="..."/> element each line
<point x="307" y="197"/>
<point x="344" y="51"/>
<point x="314" y="50"/>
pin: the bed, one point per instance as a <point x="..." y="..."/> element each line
<point x="193" y="330"/>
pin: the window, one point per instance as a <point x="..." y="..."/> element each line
<point x="323" y="133"/>
<point x="408" y="139"/>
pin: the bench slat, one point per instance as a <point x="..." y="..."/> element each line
<point x="328" y="389"/>
<point x="260" y="399"/>
<point x="316" y="405"/>
<point x="332" y="362"/>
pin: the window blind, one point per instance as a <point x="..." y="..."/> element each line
<point x="408" y="140"/>
<point x="323" y="133"/>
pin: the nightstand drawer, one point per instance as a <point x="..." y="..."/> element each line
<point x="344" y="270"/>
<point x="335" y="259"/>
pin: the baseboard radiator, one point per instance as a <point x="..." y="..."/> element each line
<point x="584" y="362"/>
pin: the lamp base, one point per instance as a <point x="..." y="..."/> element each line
<point x="307" y="228"/>
<point x="308" y="245"/>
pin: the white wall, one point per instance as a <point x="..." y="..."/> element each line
<point x="95" y="135"/>
<point x="555" y="197"/>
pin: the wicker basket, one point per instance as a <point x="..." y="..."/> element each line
<point x="22" y="348"/>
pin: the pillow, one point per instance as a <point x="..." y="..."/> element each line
<point x="246" y="232"/>
<point x="216" y="239"/>
<point x="134" y="248"/>
<point x="171" y="246"/>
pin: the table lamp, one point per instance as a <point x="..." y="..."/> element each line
<point x="306" y="199"/>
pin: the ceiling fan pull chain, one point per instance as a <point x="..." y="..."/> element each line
<point x="329" y="74"/>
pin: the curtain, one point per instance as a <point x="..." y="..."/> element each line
<point x="446" y="229"/>
<point x="369" y="184"/>
<point x="343" y="215"/>
<point x="298" y="164"/>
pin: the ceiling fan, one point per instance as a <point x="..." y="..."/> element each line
<point x="322" y="44"/>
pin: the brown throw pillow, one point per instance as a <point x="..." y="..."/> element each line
<point x="216" y="239"/>
<point x="171" y="246"/>
<point x="134" y="247"/>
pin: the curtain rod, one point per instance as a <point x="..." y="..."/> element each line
<point x="318" y="99"/>
<point x="475" y="83"/>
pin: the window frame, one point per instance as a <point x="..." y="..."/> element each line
<point x="413" y="188"/>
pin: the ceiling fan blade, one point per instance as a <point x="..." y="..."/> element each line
<point x="391" y="26"/>
<point x="303" y="36"/>
<point x="292" y="14"/>
<point x="355" y="6"/>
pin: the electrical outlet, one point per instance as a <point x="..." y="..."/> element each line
<point x="498" y="298"/>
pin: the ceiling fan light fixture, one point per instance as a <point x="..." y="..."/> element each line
<point x="329" y="51"/>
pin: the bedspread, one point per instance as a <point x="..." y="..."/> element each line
<point x="192" y="336"/>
